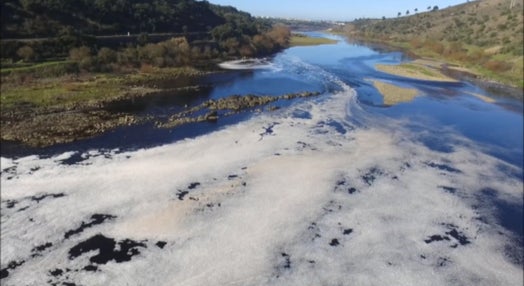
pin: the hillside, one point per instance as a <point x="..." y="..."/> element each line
<point x="485" y="36"/>
<point x="52" y="18"/>
<point x="42" y="30"/>
<point x="65" y="64"/>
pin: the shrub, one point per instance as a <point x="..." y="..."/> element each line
<point x="106" y="56"/>
<point x="497" y="66"/>
<point x="416" y="43"/>
<point x="82" y="56"/>
<point x="477" y="56"/>
<point x="146" y="68"/>
<point x="435" y="46"/>
<point x="26" y="53"/>
<point x="129" y="57"/>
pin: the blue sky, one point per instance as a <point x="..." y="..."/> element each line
<point x="333" y="9"/>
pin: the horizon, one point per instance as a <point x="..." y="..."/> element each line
<point x="333" y="10"/>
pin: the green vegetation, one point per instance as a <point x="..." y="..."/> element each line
<point x="485" y="37"/>
<point x="419" y="69"/>
<point x="74" y="43"/>
<point x="53" y="18"/>
<point x="28" y="82"/>
<point x="85" y="89"/>
<point x="40" y="30"/>
<point x="46" y="69"/>
<point x="302" y="40"/>
<point x="65" y="65"/>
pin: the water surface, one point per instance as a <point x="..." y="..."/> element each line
<point x="333" y="190"/>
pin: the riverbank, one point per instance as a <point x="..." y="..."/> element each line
<point x="52" y="103"/>
<point x="45" y="111"/>
<point x="439" y="68"/>
<point x="479" y="42"/>
<point x="417" y="69"/>
<point x="49" y="111"/>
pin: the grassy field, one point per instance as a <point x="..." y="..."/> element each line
<point x="416" y="69"/>
<point x="301" y="40"/>
<point x="19" y="87"/>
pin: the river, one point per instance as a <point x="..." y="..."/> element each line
<point x="338" y="189"/>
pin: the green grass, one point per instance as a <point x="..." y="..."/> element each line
<point x="55" y="68"/>
<point x="309" y="41"/>
<point x="59" y="94"/>
<point x="65" y="91"/>
<point x="420" y="69"/>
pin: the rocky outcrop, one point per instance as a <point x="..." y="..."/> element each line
<point x="49" y="126"/>
<point x="228" y="106"/>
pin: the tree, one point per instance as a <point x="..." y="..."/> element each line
<point x="416" y="10"/>
<point x="435" y="8"/>
<point x="82" y="56"/>
<point x="26" y="53"/>
<point x="383" y="17"/>
<point x="429" y="8"/>
<point x="142" y="39"/>
<point x="407" y="12"/>
<point x="398" y="15"/>
<point x="280" y="35"/>
<point x="106" y="56"/>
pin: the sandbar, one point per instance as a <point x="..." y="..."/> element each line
<point x="417" y="70"/>
<point x="394" y="94"/>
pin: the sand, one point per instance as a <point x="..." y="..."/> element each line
<point x="419" y="69"/>
<point x="394" y="94"/>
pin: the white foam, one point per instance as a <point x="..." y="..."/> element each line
<point x="265" y="195"/>
<point x="247" y="64"/>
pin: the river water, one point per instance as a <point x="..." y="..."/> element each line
<point x="338" y="189"/>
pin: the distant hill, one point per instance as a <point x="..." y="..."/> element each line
<point x="485" y="35"/>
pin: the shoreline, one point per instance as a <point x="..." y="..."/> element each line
<point x="448" y="69"/>
<point x="86" y="106"/>
<point x="166" y="99"/>
<point x="393" y="94"/>
<point x="45" y="110"/>
<point x="417" y="69"/>
<point x="105" y="102"/>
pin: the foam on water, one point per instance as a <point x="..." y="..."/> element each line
<point x="276" y="200"/>
<point x="246" y="64"/>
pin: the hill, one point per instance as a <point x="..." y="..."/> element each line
<point x="42" y="30"/>
<point x="52" y="18"/>
<point x="485" y="36"/>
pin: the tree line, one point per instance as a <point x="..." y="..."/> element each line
<point x="175" y="52"/>
<point x="70" y="28"/>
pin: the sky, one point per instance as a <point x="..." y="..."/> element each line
<point x="339" y="10"/>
